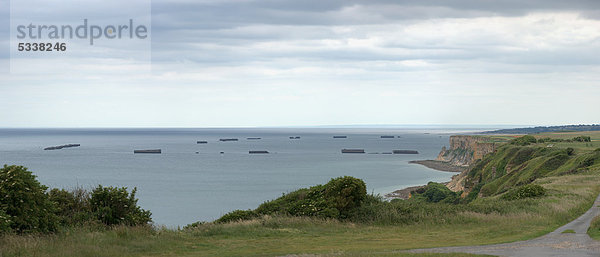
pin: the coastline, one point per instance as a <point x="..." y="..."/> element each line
<point x="439" y="165"/>
<point x="404" y="193"/>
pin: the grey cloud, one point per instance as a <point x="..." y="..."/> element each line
<point x="317" y="12"/>
<point x="175" y="24"/>
<point x="4" y="30"/>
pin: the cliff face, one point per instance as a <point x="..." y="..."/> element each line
<point x="465" y="150"/>
<point x="511" y="166"/>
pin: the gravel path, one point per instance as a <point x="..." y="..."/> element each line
<point x="553" y="244"/>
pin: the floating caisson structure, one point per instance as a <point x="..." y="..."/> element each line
<point x="294" y="137"/>
<point x="387" y="136"/>
<point x="258" y="152"/>
<point x="405" y="152"/>
<point x="353" y="150"/>
<point x="155" y="151"/>
<point x="201" y="142"/>
<point x="228" y="139"/>
<point x="58" y="147"/>
<point x="340" y="136"/>
<point x="254" y="138"/>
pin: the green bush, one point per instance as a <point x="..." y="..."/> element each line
<point x="194" y="225"/>
<point x="436" y="192"/>
<point x="381" y="212"/>
<point x="582" y="139"/>
<point x="474" y="193"/>
<point x="4" y="222"/>
<point x="237" y="215"/>
<point x="303" y="202"/>
<point x="345" y="194"/>
<point x="73" y="207"/>
<point x="525" y="191"/>
<point x="524" y="140"/>
<point x="113" y="206"/>
<point x="26" y="207"/>
<point x="589" y="161"/>
<point x="24" y="202"/>
<point x="375" y="210"/>
<point x="553" y="140"/>
<point x="336" y="199"/>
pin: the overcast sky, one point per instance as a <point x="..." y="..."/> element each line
<point x="231" y="63"/>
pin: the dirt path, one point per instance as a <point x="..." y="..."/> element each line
<point x="553" y="244"/>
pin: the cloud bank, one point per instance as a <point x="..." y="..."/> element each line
<point x="292" y="63"/>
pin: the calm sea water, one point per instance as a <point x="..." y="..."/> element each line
<point x="191" y="182"/>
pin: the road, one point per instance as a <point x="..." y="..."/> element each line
<point x="556" y="243"/>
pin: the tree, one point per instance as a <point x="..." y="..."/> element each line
<point x="24" y="204"/>
<point x="114" y="206"/>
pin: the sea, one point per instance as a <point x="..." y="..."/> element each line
<point x="190" y="182"/>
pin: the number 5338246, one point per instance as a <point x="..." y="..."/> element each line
<point x="42" y="47"/>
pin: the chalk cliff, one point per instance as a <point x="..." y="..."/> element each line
<point x="465" y="150"/>
<point x="459" y="156"/>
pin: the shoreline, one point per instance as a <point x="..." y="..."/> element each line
<point x="439" y="165"/>
<point x="404" y="193"/>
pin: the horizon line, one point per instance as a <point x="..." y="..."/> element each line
<point x="296" y="126"/>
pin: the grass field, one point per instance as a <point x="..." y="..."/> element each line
<point x="594" y="230"/>
<point x="501" y="138"/>
<point x="595" y="135"/>
<point x="579" y="146"/>
<point x="569" y="196"/>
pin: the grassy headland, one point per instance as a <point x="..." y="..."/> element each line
<point x="486" y="221"/>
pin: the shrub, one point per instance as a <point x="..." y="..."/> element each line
<point x="525" y="191"/>
<point x="588" y="161"/>
<point x="24" y="202"/>
<point x="73" y="207"/>
<point x="4" y="222"/>
<point x="333" y="200"/>
<point x="113" y="206"/>
<point x="237" y="215"/>
<point x="378" y="211"/>
<point x="582" y="139"/>
<point x="345" y="194"/>
<point x="436" y="192"/>
<point x="553" y="140"/>
<point x="474" y="193"/>
<point x="570" y="151"/>
<point x="524" y="140"/>
<point x="194" y="225"/>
